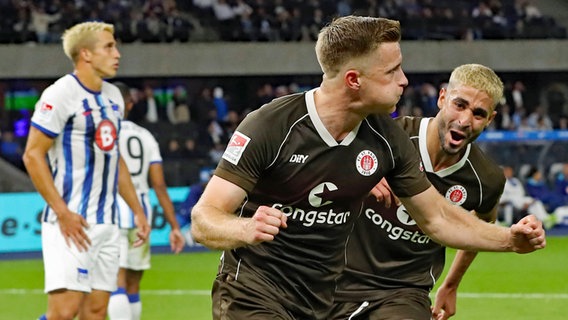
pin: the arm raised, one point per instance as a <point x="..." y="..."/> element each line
<point x="452" y="226"/>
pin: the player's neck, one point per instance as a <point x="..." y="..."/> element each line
<point x="335" y="113"/>
<point x="89" y="79"/>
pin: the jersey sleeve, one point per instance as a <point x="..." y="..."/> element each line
<point x="51" y="113"/>
<point x="248" y="152"/>
<point x="153" y="147"/>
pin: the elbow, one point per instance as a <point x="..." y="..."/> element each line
<point x="27" y="159"/>
<point x="196" y="229"/>
<point x="432" y="228"/>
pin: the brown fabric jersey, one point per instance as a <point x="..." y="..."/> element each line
<point x="283" y="156"/>
<point x="387" y="250"/>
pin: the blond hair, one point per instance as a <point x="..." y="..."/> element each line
<point x="479" y="77"/>
<point x="81" y="36"/>
<point x="350" y="37"/>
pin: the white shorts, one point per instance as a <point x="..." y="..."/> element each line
<point x="67" y="268"/>
<point x="133" y="258"/>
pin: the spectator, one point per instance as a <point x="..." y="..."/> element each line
<point x="203" y="109"/>
<point x="539" y="120"/>
<point x="517" y="203"/>
<point x="563" y="122"/>
<point x="561" y="188"/>
<point x="515" y="94"/>
<point x="177" y="26"/>
<point x="177" y="107"/>
<point x="561" y="183"/>
<point x="538" y="188"/>
<point x="151" y="105"/>
<point x="41" y="21"/>
<point x="220" y="104"/>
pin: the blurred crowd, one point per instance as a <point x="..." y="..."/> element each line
<point x="193" y="127"/>
<point x="153" y="21"/>
<point x="196" y="125"/>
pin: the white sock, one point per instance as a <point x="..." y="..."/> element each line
<point x="135" y="306"/>
<point x="119" y="306"/>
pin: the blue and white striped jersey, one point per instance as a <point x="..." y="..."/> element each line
<point x="140" y="150"/>
<point x="84" y="157"/>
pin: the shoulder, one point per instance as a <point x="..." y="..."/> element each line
<point x="485" y="165"/>
<point x="111" y="90"/>
<point x="283" y="105"/>
<point x="409" y="124"/>
<point x="128" y="125"/>
<point x="280" y="113"/>
<point x="64" y="86"/>
<point x="386" y="127"/>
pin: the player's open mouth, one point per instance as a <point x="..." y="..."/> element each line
<point x="457" y="137"/>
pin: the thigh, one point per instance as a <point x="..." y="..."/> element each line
<point x="65" y="266"/>
<point x="137" y="258"/>
<point x="233" y="301"/>
<point x="402" y="304"/>
<point x="105" y="246"/>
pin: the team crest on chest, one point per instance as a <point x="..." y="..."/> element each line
<point x="105" y="136"/>
<point x="366" y="163"/>
<point x="456" y="195"/>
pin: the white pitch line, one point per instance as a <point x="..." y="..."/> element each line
<point x="495" y="295"/>
<point x="466" y="295"/>
<point x="144" y="292"/>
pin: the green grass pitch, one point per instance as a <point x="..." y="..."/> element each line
<point x="497" y="286"/>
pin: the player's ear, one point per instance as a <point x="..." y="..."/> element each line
<point x="441" y="97"/>
<point x="491" y="117"/>
<point x="352" y="79"/>
<point x="85" y="54"/>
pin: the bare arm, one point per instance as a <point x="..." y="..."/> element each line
<point x="451" y="226"/>
<point x="446" y="296"/>
<point x="128" y="193"/>
<point x="71" y="224"/>
<point x="215" y="224"/>
<point x="158" y="183"/>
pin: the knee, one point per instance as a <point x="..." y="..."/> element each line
<point x="64" y="314"/>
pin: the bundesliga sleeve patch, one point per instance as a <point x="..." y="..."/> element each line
<point x="236" y="147"/>
<point x="45" y="111"/>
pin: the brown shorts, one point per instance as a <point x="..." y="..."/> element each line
<point x="395" y="304"/>
<point x="233" y="300"/>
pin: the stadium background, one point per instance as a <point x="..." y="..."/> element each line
<point x="243" y="67"/>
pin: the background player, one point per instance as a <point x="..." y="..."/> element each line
<point x="391" y="264"/>
<point x="73" y="160"/>
<point x="142" y="156"/>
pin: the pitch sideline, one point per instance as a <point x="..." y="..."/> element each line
<point x="462" y="295"/>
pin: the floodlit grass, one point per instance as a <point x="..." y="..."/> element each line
<point x="497" y="286"/>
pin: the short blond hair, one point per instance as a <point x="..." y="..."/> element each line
<point x="350" y="37"/>
<point x="479" y="77"/>
<point x="81" y="36"/>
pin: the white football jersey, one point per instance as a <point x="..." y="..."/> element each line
<point x="84" y="157"/>
<point x="140" y="150"/>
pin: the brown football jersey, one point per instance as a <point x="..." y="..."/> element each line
<point x="387" y="250"/>
<point x="284" y="157"/>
